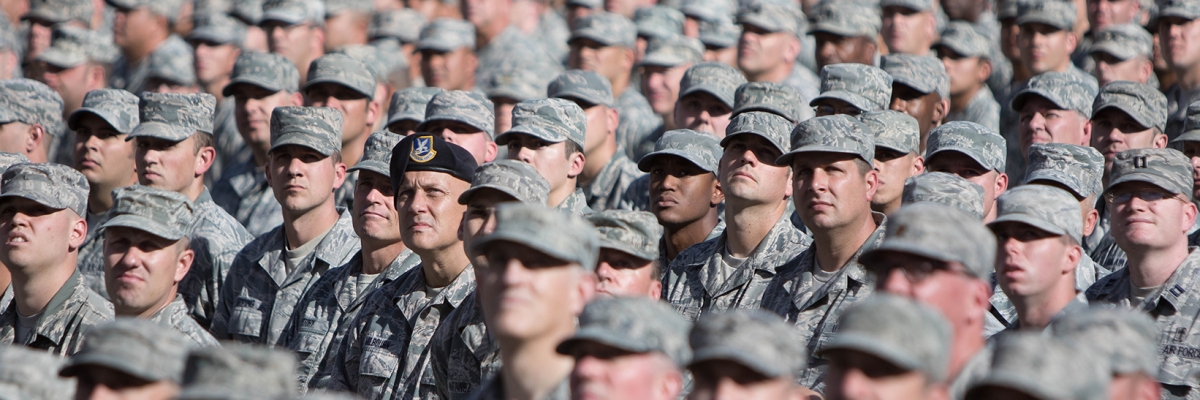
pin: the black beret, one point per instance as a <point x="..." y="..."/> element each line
<point x="428" y="152"/>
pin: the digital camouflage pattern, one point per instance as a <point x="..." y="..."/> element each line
<point x="699" y="148"/>
<point x="1043" y="367"/>
<point x="177" y="315"/>
<point x="218" y="27"/>
<point x="32" y="374"/>
<point x="239" y="372"/>
<point x="71" y="46"/>
<point x="717" y="79"/>
<point x="61" y="326"/>
<point x="511" y="177"/>
<point x="756" y="339"/>
<point x="606" y="28"/>
<point x="770" y="126"/>
<point x="560" y="235"/>
<point x="1124" y="336"/>
<point x="673" y="51"/>
<point x="771" y="16"/>
<point x="831" y="134"/>
<point x="658" y="22"/>
<point x="1046" y="208"/>
<point x="31" y="102"/>
<point x="402" y="24"/>
<point x="893" y="130"/>
<point x="166" y="8"/>
<point x="116" y="107"/>
<point x="985" y="147"/>
<point x="946" y="189"/>
<point x="720" y="33"/>
<point x="906" y="333"/>
<point x="317" y="128"/>
<point x="924" y="74"/>
<point x="776" y="98"/>
<point x="638" y="125"/>
<point x="446" y="35"/>
<point x="162" y="213"/>
<point x="1066" y="90"/>
<point x="370" y="57"/>
<point x="939" y="232"/>
<point x="177" y="69"/>
<point x="132" y="77"/>
<point x="52" y="185"/>
<point x="634" y="324"/>
<point x="335" y="7"/>
<point x="377" y="153"/>
<point x="606" y="190"/>
<point x="1123" y="42"/>
<point x="549" y="119"/>
<point x="518" y="81"/>
<point x="1166" y="168"/>
<point x="174" y="116"/>
<point x="846" y="19"/>
<point x="243" y="192"/>
<point x="409" y="104"/>
<point x="962" y="38"/>
<point x="1057" y="14"/>
<point x="9" y="159"/>
<point x="60" y="11"/>
<point x="133" y="346"/>
<point x="293" y="12"/>
<point x="216" y="237"/>
<point x="270" y="71"/>
<point x="463" y="106"/>
<point x="1185" y="9"/>
<point x="579" y="85"/>
<point x="463" y="354"/>
<point x="631" y="232"/>
<point x="863" y="86"/>
<point x="1080" y="169"/>
<point x="707" y="10"/>
<point x="1145" y="104"/>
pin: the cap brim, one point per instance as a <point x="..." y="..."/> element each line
<point x="246" y="80"/>
<point x="738" y="356"/>
<point x="730" y="136"/>
<point x="1057" y="176"/>
<point x="1036" y="18"/>
<point x="1140" y="119"/>
<point x="1138" y="177"/>
<point x="659" y="60"/>
<point x="598" y="37"/>
<point x="1031" y="221"/>
<point x="141" y="223"/>
<point x="760" y="22"/>
<point x="842" y="31"/>
<point x="1119" y="52"/>
<point x="908" y="81"/>
<point x="577" y="96"/>
<point x="424" y="124"/>
<point x="521" y="237"/>
<point x="161" y="131"/>
<point x="405" y="116"/>
<point x="1188" y="136"/>
<point x="341" y="82"/>
<point x="647" y="160"/>
<point x="294" y="140"/>
<point x="907" y="247"/>
<point x="1178" y="12"/>
<point x="34" y="197"/>
<point x="1006" y="380"/>
<point x="435" y="46"/>
<point x="212" y="35"/>
<point x="83" y="360"/>
<point x="109" y="118"/>
<point x="963" y="150"/>
<point x="618" y="340"/>
<point x="726" y="98"/>
<point x="284" y="17"/>
<point x="539" y="133"/>
<point x="851" y="98"/>
<point x="373" y="166"/>
<point x="61" y="59"/>
<point x="786" y="158"/>
<point x="869" y="345"/>
<point x="466" y="195"/>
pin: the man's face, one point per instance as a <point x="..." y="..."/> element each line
<point x="680" y="192"/>
<point x="924" y="107"/>
<point x="893" y="168"/>
<point x="1177" y="41"/>
<point x="602" y="121"/>
<point x="156" y="84"/>
<point x="854" y="375"/>
<point x="1010" y="41"/>
<point x="702" y="112"/>
<point x="427" y="202"/>
<point x="482" y="12"/>
<point x="133" y="26"/>
<point x="907" y="31"/>
<point x="292" y="41"/>
<point x="345" y="28"/>
<point x="526" y="293"/>
<point x="36" y="236"/>
<point x="253" y="112"/>
<point x="101" y="154"/>
<point x="141" y="269"/>
<point x="453" y="70"/>
<point x="303" y="179"/>
<point x="622" y="274"/>
<point x="604" y="372"/>
<point x="953" y="162"/>
<point x="503" y="110"/>
<point x="834" y="49"/>
<point x="1044" y="122"/>
<point x="727" y="380"/>
<point x="428" y="8"/>
<point x="1029" y="261"/>
<point x="1192" y="150"/>
<point x="624" y="7"/>
<point x="167" y="165"/>
<point x="830" y="190"/>
<point x="609" y="61"/>
<point x="374" y="214"/>
<point x="1111" y="69"/>
<point x="477" y="142"/>
<point x="1105" y="13"/>
<point x="724" y="55"/>
<point x="97" y="382"/>
<point x="70" y="83"/>
<point x="966" y="73"/>
<point x="831" y="106"/>
<point x="479" y="219"/>
<point x="748" y="170"/>
<point x="357" y="115"/>
<point x="1149" y="217"/>
<point x="1045" y="48"/>
<point x="761" y="51"/>
<point x="549" y="159"/>
<point x="214" y="61"/>
<point x="14" y="137"/>
<point x="947" y="287"/>
<point x="1114" y="131"/>
<point x="661" y="86"/>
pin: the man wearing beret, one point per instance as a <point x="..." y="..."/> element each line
<point x="390" y="336"/>
<point x="270" y="274"/>
<point x="129" y="358"/>
<point x="344" y="84"/>
<point x="628" y="263"/>
<point x="41" y="219"/>
<point x="746" y="354"/>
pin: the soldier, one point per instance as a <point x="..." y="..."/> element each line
<point x="1047" y="38"/>
<point x="746" y="354"/>
<point x="852" y="89"/>
<point x="1054" y="108"/>
<point x="1189" y="144"/>
<point x="399" y="28"/>
<point x="345" y="84"/>
<point x="681" y="190"/>
<point x="897" y="139"/>
<point x="845" y="33"/>
<point x="1033" y="366"/>
<point x="747" y="254"/>
<point x="655" y="22"/>
<point x="534" y="247"/>
<point x="239" y="371"/>
<point x="590" y="146"/>
<point x="6" y="294"/>
<point x="628" y="261"/>
<point x="516" y="81"/>
<point x="966" y="55"/>
<point x="271" y="273"/>
<point x="1122" y="337"/>
<point x="946" y="189"/>
<point x="407" y="109"/>
<point x="920" y="88"/>
<point x="77" y="62"/>
<point x="1177" y="29"/>
<point x="774" y="98"/>
<point x="463" y="118"/>
<point x="498" y="38"/>
<point x="44" y="15"/>
<point x="129" y="358"/>
<point x="720" y="37"/>
<point x="662" y="69"/>
<point x="296" y="30"/>
<point x="971" y="151"/>
<point x="31" y="123"/>
<point x="10" y="53"/>
<point x="35" y="198"/>
<point x="347" y="22"/>
<point x="170" y="73"/>
<point x="217" y="42"/>
<point x="909" y="27"/>
<point x="141" y="29"/>
<point x="769" y="45"/>
<point x="628" y="348"/>
<point x="888" y="344"/>
<point x="448" y="59"/>
<point x="706" y="97"/>
<point x="1122" y="52"/>
<point x="33" y="374"/>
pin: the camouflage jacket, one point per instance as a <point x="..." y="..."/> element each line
<point x="637" y="122"/>
<point x="694" y="283"/>
<point x="1100" y="245"/>
<point x="463" y="354"/>
<point x="131" y="77"/>
<point x="175" y="315"/>
<point x="216" y="238"/>
<point x="385" y="353"/>
<point x="637" y="195"/>
<point x="814" y="307"/>
<point x="805" y="82"/>
<point x="1177" y="105"/>
<point x="512" y="45"/>
<point x="662" y="242"/>
<point x="324" y="313"/>
<point x="260" y="294"/>
<point x="606" y="189"/>
<point x="90" y="263"/>
<point x="1002" y="314"/>
<point x="243" y="192"/>
<point x="1079" y="303"/>
<point x="345" y="193"/>
<point x="576" y="204"/>
<point x="493" y="389"/>
<point x="231" y="148"/>
<point x="61" y="326"/>
<point x="982" y="109"/>
<point x="1176" y="308"/>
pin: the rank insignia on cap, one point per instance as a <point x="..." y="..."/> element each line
<point x="422" y="149"/>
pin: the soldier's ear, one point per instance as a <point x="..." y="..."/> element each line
<point x="184" y="264"/>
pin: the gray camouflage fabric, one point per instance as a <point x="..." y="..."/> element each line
<point x="403" y="24"/>
<point x="7" y="160"/>
<point x="1044" y="367"/>
<point x="575" y="204"/>
<point x="61" y="326"/>
<point x="939" y="232"/>
<point x="863" y="86"/>
<point x="717" y="79"/>
<point x="1191" y="127"/>
<point x="606" y="28"/>
<point x="985" y="147"/>
<point x="115" y="106"/>
<point x="634" y="324"/>
<point x="517" y="80"/>
<point x="463" y="106"/>
<point x="293" y="12"/>
<point x="216" y="237"/>
<point x="767" y="125"/>
<point x="558" y="234"/>
<point x="239" y="372"/>
<point x="1079" y="168"/>
<point x="982" y="109"/>
<point x="343" y="70"/>
<point x="1177" y="105"/>
<point x="132" y="77"/>
<point x="178" y="69"/>
<point x="1058" y="14"/>
<point x="579" y="85"/>
<point x="720" y="33"/>
<point x="409" y="104"/>
<point x="162" y="213"/>
<point x="369" y="56"/>
<point x="464" y="355"/>
<point x="72" y="46"/>
<point x="243" y="192"/>
<point x="1046" y="208"/>
<point x="1145" y="104"/>
<point x="168" y="8"/>
<point x="902" y="331"/>
<point x="632" y="232"/>
<point x="218" y="27"/>
<point x="925" y="74"/>
<point x="335" y="7"/>
<point x="1126" y="337"/>
<point x="755" y="339"/>
<point x="134" y="346"/>
<point x="608" y="187"/>
<point x="638" y="124"/>
<point x="317" y="128"/>
<point x="513" y="45"/>
<point x="550" y="119"/>
<point x="60" y="11"/>
<point x="771" y="16"/>
<point x="270" y="71"/>
<point x="846" y="19"/>
<point x="1123" y="42"/>
<point x="514" y="178"/>
<point x="777" y="98"/>
<point x="708" y="9"/>
<point x="32" y="374"/>
<point x="893" y="130"/>
<point x="673" y="51"/>
<point x="1166" y="168"/>
<point x="1179" y="8"/>
<point x="946" y="189"/>
<point x="831" y="134"/>
<point x="1066" y="90"/>
<point x="962" y="38"/>
<point x="52" y="185"/>
<point x="445" y="35"/>
<point x="658" y="21"/>
<point x="31" y="102"/>
<point x="493" y="389"/>
<point x="177" y="315"/>
<point x="174" y="116"/>
<point x="699" y="148"/>
<point x="377" y="153"/>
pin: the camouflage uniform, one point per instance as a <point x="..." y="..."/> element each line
<point x="607" y="188"/>
<point x="33" y="103"/>
<point x="60" y="326"/>
<point x="962" y="39"/>
<point x="862" y="86"/>
<point x="218" y="27"/>
<point x="1177" y="98"/>
<point x="783" y="17"/>
<point x="1125" y="337"/>
<point x="8" y="160"/>
<point x="239" y="371"/>
<point x="854" y="19"/>
<point x="132" y="77"/>
<point x="32" y="374"/>
<point x="1044" y="368"/>
<point x="898" y="330"/>
<point x="341" y="69"/>
<point x="556" y="120"/>
<point x="409" y="104"/>
<point x="176" y="315"/>
<point x="755" y="339"/>
<point x="670" y="52"/>
<point x="135" y="347"/>
<point x="258" y="299"/>
<point x="72" y="46"/>
<point x="513" y="44"/>
<point x="55" y="12"/>
<point x="946" y="189"/>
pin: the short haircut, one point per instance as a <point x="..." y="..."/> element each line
<point x="204" y="139"/>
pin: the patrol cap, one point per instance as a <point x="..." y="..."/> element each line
<point x="248" y="11"/>
<point x="715" y="78"/>
<point x="673" y="51"/>
<point x="317" y="128"/>
<point x="27" y="373"/>
<point x="294" y="12"/>
<point x="1123" y="42"/>
<point x="343" y="70"/>
<point x="939" y="232"/>
<point x="657" y="22"/>
<point x="1126" y="337"/>
<point x="377" y="153"/>
<point x="1166" y="168"/>
<point x="52" y="185"/>
<point x="605" y="28"/>
<point x="237" y="371"/>
<point x="425" y="152"/>
<point x="631" y="232"/>
<point x="1145" y="104"/>
<point x="167" y="8"/>
<point x="31" y="102"/>
<point x="776" y="98"/>
<point x="893" y="130"/>
<point x="163" y="213"/>
<point x="9" y="159"/>
<point x="371" y="59"/>
<point x="1191" y="125"/>
<point x="756" y="339"/>
<point x="176" y="68"/>
<point x="1008" y="9"/>
<point x="72" y="46"/>
<point x="698" y="148"/>
<point x="511" y="177"/>
<point x="915" y="5"/>
<point x="922" y="73"/>
<point x="846" y="19"/>
<point x="60" y="11"/>
<point x="116" y="107"/>
<point x="962" y="38"/>
<point x="463" y="106"/>
<point x="634" y="324"/>
<point x="549" y="119"/>
<point x="518" y="80"/>
<point x="138" y="347"/>
<point x="831" y="134"/>
<point x="1064" y="89"/>
<point x="409" y="103"/>
<point x="708" y="10"/>
<point x="218" y="27"/>
<point x="1047" y="208"/>
<point x="555" y="233"/>
<point x="174" y="116"/>
<point x="446" y="35"/>
<point x="270" y="71"/>
<point x="980" y="144"/>
<point x="592" y="4"/>
<point x="1043" y="368"/>
<point x="1186" y="9"/>
<point x="588" y="87"/>
<point x="335" y="7"/>
<point x="1080" y="169"/>
<point x="769" y="126"/>
<point x="946" y="189"/>
<point x="863" y="86"/>
<point x="901" y="331"/>
<point x="1054" y="13"/>
<point x="402" y="24"/>
<point x="770" y="16"/>
<point x="720" y="33"/>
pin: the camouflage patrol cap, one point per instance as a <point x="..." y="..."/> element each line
<point x="463" y="106"/>
<point x="317" y="128"/>
<point x="771" y="16"/>
<point x="658" y="22"/>
<point x="1054" y="13"/>
<point x="1166" y="168"/>
<point x="1047" y="208"/>
<point x="1123" y="42"/>
<point x="446" y="35"/>
<point x="1191" y="126"/>
<point x="772" y="127"/>
<point x="755" y="339"/>
<point x="9" y="159"/>
<point x="720" y="33"/>
<point x="116" y="107"/>
<point x="31" y="102"/>
<point x="335" y="7"/>
<point x="902" y="331"/>
<point x="1065" y="90"/>
<point x="633" y="324"/>
<point x="1078" y="168"/>
<point x="1127" y="338"/>
<point x="167" y="8"/>
<point x="294" y="12"/>
<point x="511" y="177"/>
<point x="776" y="98"/>
<point x="402" y="24"/>
<point x="71" y="46"/>
<point x="605" y="28"/>
<point x="984" y="146"/>
<point x="592" y="4"/>
<point x="519" y="81"/>
<point x="939" y="232"/>
<point x="1186" y="9"/>
<point x="60" y="11"/>
<point x="555" y="233"/>
<point x="893" y="130"/>
<point x="1145" y="104"/>
<point x="32" y="374"/>
<point x="52" y="185"/>
<point x="635" y="233"/>
<point x="847" y="19"/>
<point x="138" y="347"/>
<point x="425" y="152"/>
<point x="170" y="67"/>
<point x="584" y="86"/>
<point x="709" y="10"/>
<point x="270" y="71"/>
<point x="699" y="148"/>
<point x="377" y="153"/>
<point x="915" y="5"/>
<point x="549" y="119"/>
<point x="863" y="86"/>
<point x="922" y="73"/>
<point x="174" y="116"/>
<point x="248" y="11"/>
<point x="163" y="213"/>
<point x="962" y="38"/>
<point x="831" y="134"/>
<point x="409" y="103"/>
<point x="946" y="189"/>
<point x="673" y="51"/>
<point x="717" y="79"/>
<point x="370" y="57"/>
<point x="1044" y="368"/>
<point x="238" y="371"/>
<point x="343" y="70"/>
<point x="217" y="27"/>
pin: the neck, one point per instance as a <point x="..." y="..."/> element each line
<point x="960" y="101"/>
<point x="1153" y="268"/>
<point x="5" y="279"/>
<point x="1188" y="79"/>
<point x="777" y="74"/>
<point x="835" y="247"/>
<point x="352" y="150"/>
<point x="681" y="237"/>
<point x="1166" y="77"/>
<point x="595" y="160"/>
<point x="1035" y="312"/>
<point x="746" y="227"/>
<point x="442" y="265"/>
<point x="559" y="195"/>
<point x="147" y="312"/>
<point x="100" y="197"/>
<point x="968" y="341"/>
<point x="32" y="293"/>
<point x="991" y="214"/>
<point x="669" y="120"/>
<point x="533" y="369"/>
<point x="620" y="82"/>
<point x="216" y="86"/>
<point x="378" y="255"/>
<point x="136" y="53"/>
<point x="300" y="229"/>
<point x="888" y="208"/>
<point x="195" y="189"/>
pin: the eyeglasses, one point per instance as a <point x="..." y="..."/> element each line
<point x="915" y="272"/>
<point x="1147" y="195"/>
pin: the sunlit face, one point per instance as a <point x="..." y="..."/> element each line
<point x="761" y="51"/>
<point x="702" y="112"/>
<point x="102" y="154"/>
<point x="1111" y="69"/>
<point x="831" y="189"/>
<point x="1141" y="222"/>
<point x="1176" y="42"/>
<point x="921" y="106"/>
<point x="660" y="85"/>
<point x="609" y="61"/>
<point x="748" y="171"/>
<point x="604" y="372"/>
<point x="132" y="26"/>
<point x="427" y="202"/>
<point x="1105" y="13"/>
<point x="966" y="73"/>
<point x="480" y="217"/>
<point x="476" y="141"/>
<point x="1044" y="122"/>
<point x="141" y="270"/>
<point x="834" y="49"/>
<point x="35" y="236"/>
<point x="214" y="61"/>
<point x="893" y="168"/>
<point x="253" y="113"/>
<point x="854" y="375"/>
<point x="303" y="179"/>
<point x="72" y="84"/>
<point x="526" y="294"/>
<point x="549" y="159"/>
<point x="681" y="192"/>
<point x="727" y="380"/>
<point x="953" y="162"/>
<point x="1114" y="131"/>
<point x="292" y="41"/>
<point x="453" y="70"/>
<point x="907" y="31"/>
<point x="622" y="274"/>
<point x="1031" y="262"/>
<point x="1045" y="48"/>
<point x="948" y="287"/>
<point x="167" y="165"/>
<point x="357" y="116"/>
<point x="374" y="208"/>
